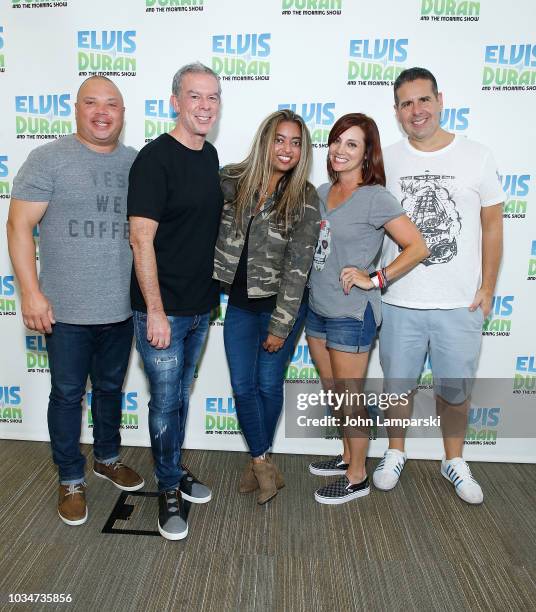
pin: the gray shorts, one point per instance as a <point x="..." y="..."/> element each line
<point x="452" y="338"/>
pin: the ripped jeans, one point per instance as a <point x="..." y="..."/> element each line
<point x="170" y="372"/>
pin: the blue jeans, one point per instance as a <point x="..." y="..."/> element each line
<point x="257" y="376"/>
<point x="170" y="372"/>
<point x="74" y="352"/>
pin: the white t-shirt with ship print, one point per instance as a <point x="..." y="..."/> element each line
<point x="442" y="192"/>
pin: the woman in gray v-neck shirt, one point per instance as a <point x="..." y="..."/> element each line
<point x="344" y="300"/>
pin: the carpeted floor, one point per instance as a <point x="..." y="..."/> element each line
<point x="416" y="548"/>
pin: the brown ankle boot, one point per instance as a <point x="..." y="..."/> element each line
<point x="265" y="475"/>
<point x="248" y="482"/>
<point x="279" y="480"/>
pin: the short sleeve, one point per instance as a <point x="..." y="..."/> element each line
<point x="384" y="207"/>
<point x="490" y="189"/>
<point x="147" y="188"/>
<point x="35" y="179"/>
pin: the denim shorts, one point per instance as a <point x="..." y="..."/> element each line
<point x="343" y="334"/>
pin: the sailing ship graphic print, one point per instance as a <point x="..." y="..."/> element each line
<point x="427" y="200"/>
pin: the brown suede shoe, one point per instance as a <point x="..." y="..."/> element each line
<point x="248" y="481"/>
<point x="122" y="476"/>
<point x="279" y="480"/>
<point x="72" y="504"/>
<point x="265" y="475"/>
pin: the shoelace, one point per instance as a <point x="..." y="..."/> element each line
<point x="172" y="501"/>
<point x="75" y="489"/>
<point x="390" y="461"/>
<point x="462" y="471"/>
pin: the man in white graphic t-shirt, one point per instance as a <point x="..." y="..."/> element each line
<point x="449" y="187"/>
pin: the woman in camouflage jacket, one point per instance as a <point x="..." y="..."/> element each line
<point x="265" y="247"/>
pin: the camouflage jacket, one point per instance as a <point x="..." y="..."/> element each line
<point x="278" y="261"/>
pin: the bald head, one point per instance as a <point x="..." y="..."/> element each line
<point x="96" y="81"/>
<point x="99" y="114"/>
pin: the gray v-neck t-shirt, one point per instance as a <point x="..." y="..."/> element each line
<point x="350" y="235"/>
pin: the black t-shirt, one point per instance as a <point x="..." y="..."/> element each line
<point x="180" y="189"/>
<point x="238" y="294"/>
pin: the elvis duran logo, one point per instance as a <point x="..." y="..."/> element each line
<point x="8" y="302"/>
<point x="45" y="116"/>
<point x="449" y="10"/>
<point x="482" y="425"/>
<point x="36" y="354"/>
<point x="38" y="4"/>
<point x="455" y="119"/>
<point x="220" y="416"/>
<point x="525" y="375"/>
<point x="509" y="68"/>
<point x="319" y="117"/>
<point x="376" y="61"/>
<point x="532" y="262"/>
<point x="217" y="315"/>
<point x="311" y="7"/>
<point x="2" y="57"/>
<point x="106" y="52"/>
<point x="10" y="404"/>
<point x="242" y="57"/>
<point x="5" y="188"/>
<point x="516" y="188"/>
<point x="499" y="322"/>
<point x="301" y="367"/>
<point x="173" y="6"/>
<point x="129" y="410"/>
<point x="159" y="118"/>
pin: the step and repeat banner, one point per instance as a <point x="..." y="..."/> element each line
<point x="322" y="58"/>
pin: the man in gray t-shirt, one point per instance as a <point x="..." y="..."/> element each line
<point x="75" y="188"/>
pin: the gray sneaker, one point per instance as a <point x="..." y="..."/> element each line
<point x="193" y="490"/>
<point x="172" y="516"/>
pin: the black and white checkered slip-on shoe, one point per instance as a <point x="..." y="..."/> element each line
<point x="329" y="467"/>
<point x="342" y="491"/>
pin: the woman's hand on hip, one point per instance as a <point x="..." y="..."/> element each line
<point x="353" y="276"/>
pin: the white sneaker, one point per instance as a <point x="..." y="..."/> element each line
<point x="387" y="472"/>
<point x="458" y="473"/>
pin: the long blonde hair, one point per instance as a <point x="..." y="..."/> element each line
<point x="254" y="172"/>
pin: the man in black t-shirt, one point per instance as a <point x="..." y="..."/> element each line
<point x="174" y="208"/>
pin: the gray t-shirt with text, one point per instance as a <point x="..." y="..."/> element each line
<point x="84" y="253"/>
<point x="350" y="235"/>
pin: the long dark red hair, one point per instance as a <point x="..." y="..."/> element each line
<point x="373" y="170"/>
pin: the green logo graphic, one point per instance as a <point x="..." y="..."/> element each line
<point x="220" y="416"/>
<point x="449" y="10"/>
<point x="525" y="375"/>
<point x="509" y="68"/>
<point x="173" y="6"/>
<point x="36" y="354"/>
<point x="311" y="7"/>
<point x="242" y="57"/>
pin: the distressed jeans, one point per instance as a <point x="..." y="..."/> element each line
<point x="170" y="372"/>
